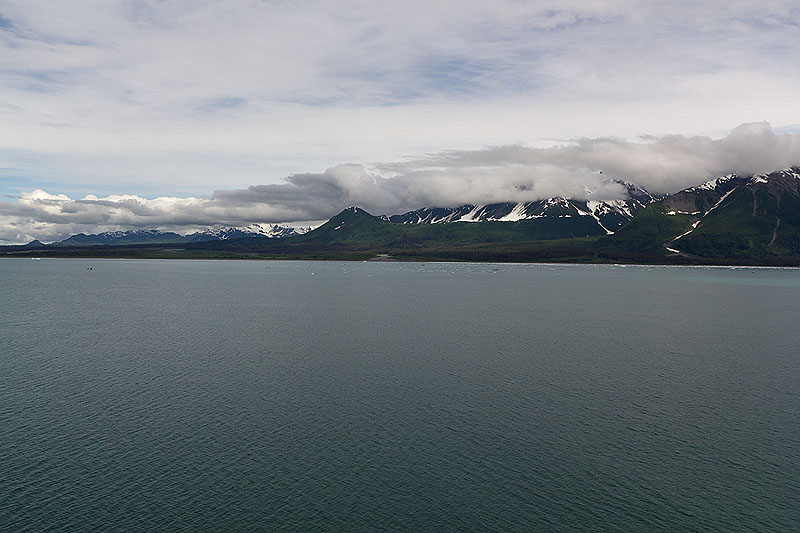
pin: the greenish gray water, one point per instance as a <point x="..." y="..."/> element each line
<point x="297" y="396"/>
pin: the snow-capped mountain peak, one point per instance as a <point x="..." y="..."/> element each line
<point x="271" y="231"/>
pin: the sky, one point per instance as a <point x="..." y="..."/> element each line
<point x="181" y="114"/>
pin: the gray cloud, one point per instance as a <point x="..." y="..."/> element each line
<point x="661" y="164"/>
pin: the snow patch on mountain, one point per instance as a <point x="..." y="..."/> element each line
<point x="713" y="184"/>
<point x="271" y="231"/>
<point x="609" y="215"/>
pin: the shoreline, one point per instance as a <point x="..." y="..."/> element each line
<point x="732" y="266"/>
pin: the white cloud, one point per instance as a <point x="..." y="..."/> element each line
<point x="167" y="98"/>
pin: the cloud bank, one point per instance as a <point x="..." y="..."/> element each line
<point x="661" y="164"/>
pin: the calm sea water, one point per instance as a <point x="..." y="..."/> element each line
<point x="298" y="396"/>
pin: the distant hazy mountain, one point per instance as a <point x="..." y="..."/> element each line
<point x="148" y="236"/>
<point x="152" y="236"/>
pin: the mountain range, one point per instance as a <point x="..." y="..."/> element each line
<point x="558" y="217"/>
<point x="751" y="219"/>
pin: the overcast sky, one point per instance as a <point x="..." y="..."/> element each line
<point x="177" y="114"/>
